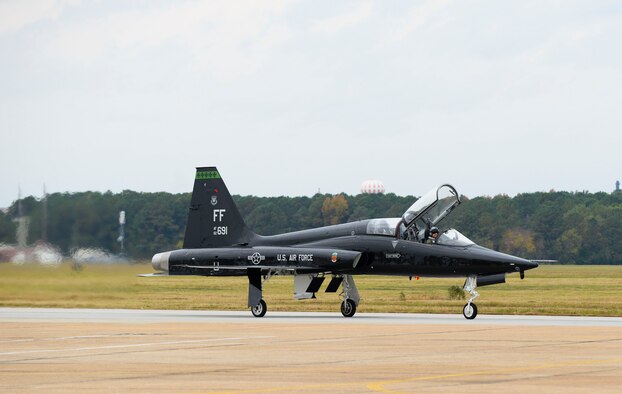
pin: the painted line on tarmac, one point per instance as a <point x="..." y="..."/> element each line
<point x="131" y="345"/>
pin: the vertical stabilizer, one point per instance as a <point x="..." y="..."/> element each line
<point x="213" y="218"/>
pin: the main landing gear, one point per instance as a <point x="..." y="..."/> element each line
<point x="255" y="302"/>
<point x="350" y="295"/>
<point x="260" y="309"/>
<point x="470" y="309"/>
<point x="348" y="308"/>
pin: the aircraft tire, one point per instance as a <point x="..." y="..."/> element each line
<point x="348" y="308"/>
<point x="470" y="311"/>
<point x="260" y="309"/>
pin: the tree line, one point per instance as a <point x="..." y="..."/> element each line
<point x="572" y="227"/>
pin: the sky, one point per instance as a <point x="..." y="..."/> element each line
<point x="292" y="97"/>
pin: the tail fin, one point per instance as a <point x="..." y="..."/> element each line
<point x="213" y="219"/>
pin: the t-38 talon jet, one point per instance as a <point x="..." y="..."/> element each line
<point x="218" y="243"/>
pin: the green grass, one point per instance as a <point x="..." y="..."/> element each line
<point x="549" y="290"/>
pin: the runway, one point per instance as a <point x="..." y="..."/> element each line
<point x="87" y="350"/>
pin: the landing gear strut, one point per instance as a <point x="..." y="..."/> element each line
<point x="255" y="301"/>
<point x="470" y="309"/>
<point x="350" y="297"/>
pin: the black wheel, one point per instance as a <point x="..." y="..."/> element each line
<point x="470" y="311"/>
<point x="260" y="309"/>
<point x="348" y="308"/>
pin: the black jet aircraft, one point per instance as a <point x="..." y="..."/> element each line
<point x="217" y="242"/>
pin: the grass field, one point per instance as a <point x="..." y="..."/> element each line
<point x="548" y="290"/>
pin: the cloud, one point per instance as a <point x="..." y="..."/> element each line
<point x="286" y="77"/>
<point x="17" y="14"/>
<point x="228" y="38"/>
<point x="346" y="20"/>
<point x="418" y="17"/>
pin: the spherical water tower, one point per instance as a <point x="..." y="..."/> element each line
<point x="372" y="186"/>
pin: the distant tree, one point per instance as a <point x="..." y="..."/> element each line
<point x="359" y="213"/>
<point x="568" y="246"/>
<point x="575" y="227"/>
<point x="334" y="209"/>
<point x="314" y="211"/>
<point x="519" y="242"/>
<point x="7" y="229"/>
<point x="267" y="219"/>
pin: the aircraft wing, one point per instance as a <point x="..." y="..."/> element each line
<point x="152" y="275"/>
<point x="265" y="258"/>
<point x="262" y="267"/>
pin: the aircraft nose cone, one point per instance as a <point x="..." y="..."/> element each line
<point x="521" y="264"/>
<point x="517" y="263"/>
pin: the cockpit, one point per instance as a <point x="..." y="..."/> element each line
<point x="423" y="215"/>
<point x="387" y="226"/>
<point x="453" y="237"/>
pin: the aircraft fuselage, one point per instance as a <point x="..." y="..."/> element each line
<point x="311" y="251"/>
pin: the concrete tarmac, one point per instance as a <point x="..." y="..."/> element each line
<point x="86" y="350"/>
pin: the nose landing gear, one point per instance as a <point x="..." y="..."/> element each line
<point x="470" y="311"/>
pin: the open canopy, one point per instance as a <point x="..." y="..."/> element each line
<point x="432" y="207"/>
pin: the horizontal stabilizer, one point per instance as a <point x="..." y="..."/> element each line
<point x="154" y="274"/>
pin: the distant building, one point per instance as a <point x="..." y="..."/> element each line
<point x="617" y="188"/>
<point x="373" y="186"/>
